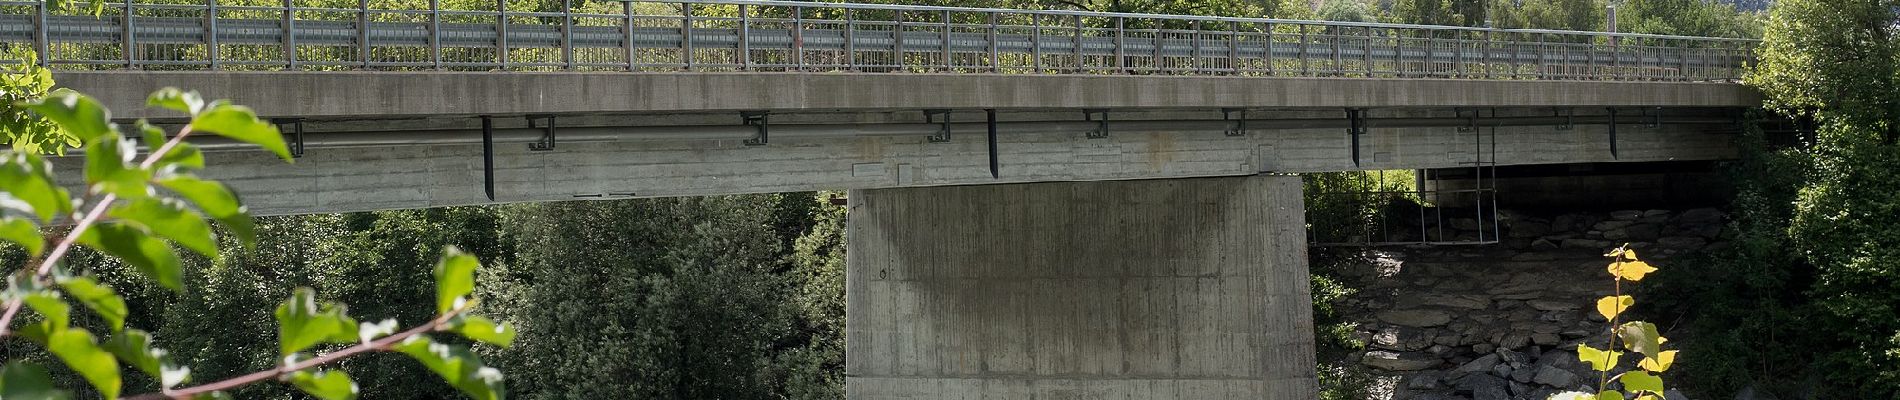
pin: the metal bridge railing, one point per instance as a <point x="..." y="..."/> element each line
<point x="741" y="35"/>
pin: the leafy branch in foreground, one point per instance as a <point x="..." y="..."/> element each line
<point x="137" y="212"/>
<point x="1636" y="336"/>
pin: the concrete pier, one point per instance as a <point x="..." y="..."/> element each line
<point x="1148" y="289"/>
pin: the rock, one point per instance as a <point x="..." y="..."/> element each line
<point x="1673" y="394"/>
<point x="1464" y="224"/>
<point x="1482" y="348"/>
<point x="1415" y="318"/>
<point x="1484" y="387"/>
<point x="1616" y="234"/>
<point x="1475" y="302"/>
<point x="1541" y="244"/>
<point x="1501" y="370"/>
<point x="1534" y="256"/>
<point x="1700" y="215"/>
<point x="1563" y="223"/>
<point x="1508" y="356"/>
<point x="1552" y="305"/>
<point x="1682" y="242"/>
<point x="1480" y="365"/>
<point x="1396" y="361"/>
<point x="1611" y="225"/>
<point x="1514" y="340"/>
<point x="1644" y="232"/>
<point x="1626" y="215"/>
<point x="1520" y="390"/>
<point x="1522" y="374"/>
<point x="1553" y="376"/>
<point x="1585" y="244"/>
<point x="1710" y="231"/>
<point x="1529" y="229"/>
<point x="1401" y="338"/>
<point x="1427" y="380"/>
<point x="1545" y="339"/>
<point x="1655" y="213"/>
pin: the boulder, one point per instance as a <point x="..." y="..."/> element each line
<point x="1626" y="215"/>
<point x="1398" y="361"/>
<point x="1484" y="387"/>
<point x="1586" y="244"/>
<point x="1545" y="339"/>
<point x="1415" y="318"/>
<point x="1542" y="244"/>
<point x="1700" y="215"/>
<point x="1529" y="229"/>
<point x="1643" y="232"/>
<point x="1553" y="376"/>
<point x="1682" y="242"/>
<point x="1553" y="305"/>
<point x="1427" y="380"/>
<point x="1480" y="365"/>
<point x="1611" y="225"/>
<point x="1475" y="302"/>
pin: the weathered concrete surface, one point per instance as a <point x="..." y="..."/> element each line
<point x="389" y="93"/>
<point x="1152" y="289"/>
<point x="397" y="177"/>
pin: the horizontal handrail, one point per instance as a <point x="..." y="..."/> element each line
<point x="773" y="35"/>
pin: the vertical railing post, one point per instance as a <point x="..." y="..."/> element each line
<point x="126" y="45"/>
<point x="1541" y="66"/>
<point x="1035" y="40"/>
<point x="40" y="37"/>
<point x="850" y="39"/>
<point x="1199" y="64"/>
<point x="897" y="42"/>
<point x="1233" y="47"/>
<point x="501" y="34"/>
<point x="435" y="34"/>
<point x="362" y="31"/>
<point x="211" y="32"/>
<point x="996" y="62"/>
<point x="1398" y="51"/>
<point x="1121" y="45"/>
<point x="947" y="54"/>
<point x="627" y="42"/>
<point x="1079" y="65"/>
<point x="745" y="38"/>
<point x="567" y="34"/>
<point x="290" y="34"/>
<point x="1365" y="51"/>
<point x="798" y="37"/>
<point x="1305" y="66"/>
<point x="686" y="34"/>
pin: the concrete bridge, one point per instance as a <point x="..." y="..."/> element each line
<point x="1046" y="204"/>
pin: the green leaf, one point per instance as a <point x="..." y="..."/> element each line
<point x="22" y="381"/>
<point x="483" y="330"/>
<point x="170" y="220"/>
<point x="1635" y="381"/>
<point x="1610" y="395"/>
<point x="181" y="156"/>
<point x="81" y="352"/>
<point x="457" y="366"/>
<point x="189" y="103"/>
<point x="99" y="298"/>
<point x="28" y="182"/>
<point x="135" y="347"/>
<point x="147" y="254"/>
<point x="326" y="385"/>
<point x="23" y="232"/>
<point x="302" y="322"/>
<point x="454" y="278"/>
<point x="1601" y="360"/>
<point x="80" y="115"/>
<point x="1640" y="337"/>
<point x="108" y="168"/>
<point x="240" y="123"/>
<point x="48" y="304"/>
<point x="216" y="201"/>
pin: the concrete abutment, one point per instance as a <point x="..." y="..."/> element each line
<point x="1148" y="289"/>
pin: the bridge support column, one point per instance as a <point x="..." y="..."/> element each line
<point x="1153" y="289"/>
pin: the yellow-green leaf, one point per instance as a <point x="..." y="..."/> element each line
<point x="1601" y="360"/>
<point x="302" y="322"/>
<point x="81" y="352"/>
<point x="135" y="347"/>
<point x="483" y="330"/>
<point x="186" y="102"/>
<point x="1635" y="381"/>
<point x="1640" y="337"/>
<point x="1631" y="271"/>
<point x="28" y="183"/>
<point x="1611" y="306"/>
<point x="109" y="168"/>
<point x="457" y="366"/>
<point x="1610" y="395"/>
<point x="216" y="201"/>
<point x="80" y="115"/>
<point x="1660" y="362"/>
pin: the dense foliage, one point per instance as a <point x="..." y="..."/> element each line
<point x="1807" y="301"/>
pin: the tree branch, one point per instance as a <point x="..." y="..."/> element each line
<point x="66" y="243"/>
<point x="254" y="377"/>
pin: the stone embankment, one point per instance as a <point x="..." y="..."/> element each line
<point x="1503" y="321"/>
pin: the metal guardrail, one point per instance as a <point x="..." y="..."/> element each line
<point x="743" y="35"/>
